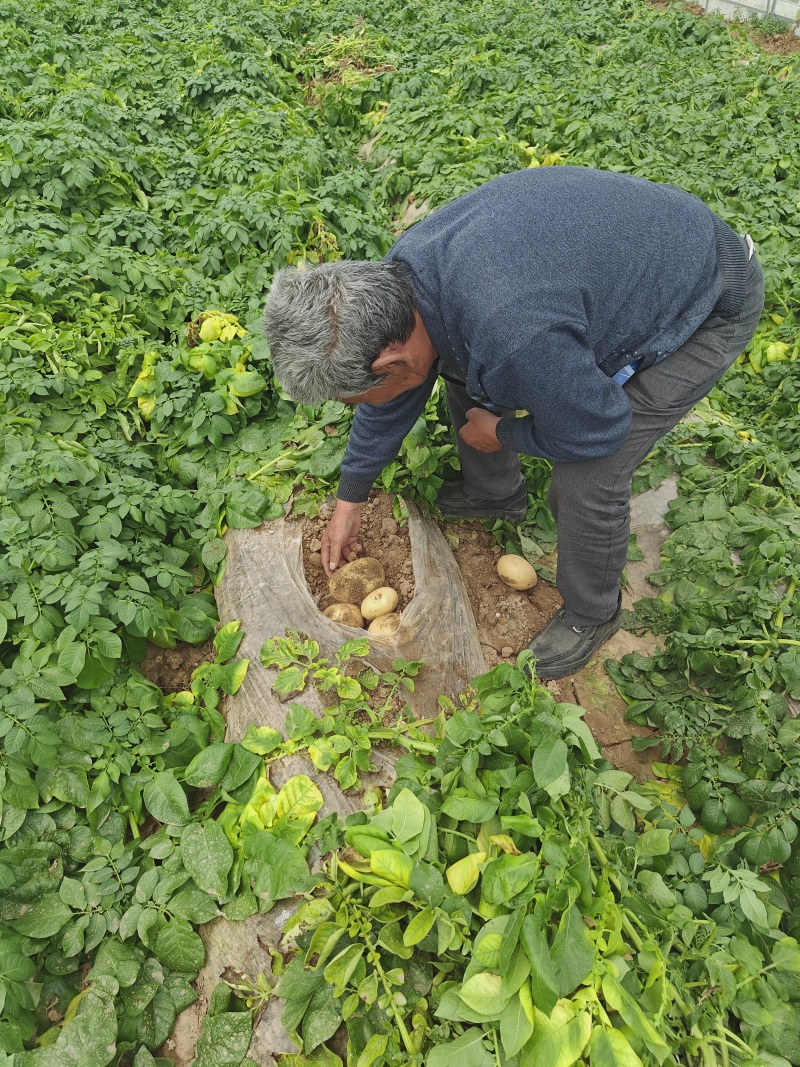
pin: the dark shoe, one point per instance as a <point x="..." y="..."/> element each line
<point x="561" y="649"/>
<point x="453" y="503"/>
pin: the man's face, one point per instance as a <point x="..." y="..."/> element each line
<point x="404" y="365"/>
<point x="394" y="385"/>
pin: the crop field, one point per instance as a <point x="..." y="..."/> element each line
<point x="517" y="901"/>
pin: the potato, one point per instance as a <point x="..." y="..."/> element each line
<point x="346" y="613"/>
<point x="385" y="625"/>
<point x="381" y="601"/>
<point x="516" y="572"/>
<point x="353" y="581"/>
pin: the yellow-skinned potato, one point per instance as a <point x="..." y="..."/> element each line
<point x="381" y="601"/>
<point x="385" y="625"/>
<point x="516" y="572"/>
<point x="345" y="613"/>
<point x="352" y="582"/>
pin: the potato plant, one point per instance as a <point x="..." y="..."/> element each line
<point x="157" y="164"/>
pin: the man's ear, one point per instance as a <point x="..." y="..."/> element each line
<point x="394" y="359"/>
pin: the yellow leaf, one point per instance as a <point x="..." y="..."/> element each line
<point x="463" y="875"/>
<point x="504" y="842"/>
<point x="361" y="876"/>
<point x="298" y="798"/>
<point x="395" y="866"/>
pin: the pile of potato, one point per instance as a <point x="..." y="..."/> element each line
<point x="363" y="598"/>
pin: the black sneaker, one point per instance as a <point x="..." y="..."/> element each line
<point x="453" y="503"/>
<point x="561" y="649"/>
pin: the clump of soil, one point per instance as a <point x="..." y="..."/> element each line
<point x="506" y="619"/>
<point x="381" y="536"/>
<point x="171" y="668"/>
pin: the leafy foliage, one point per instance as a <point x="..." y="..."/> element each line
<point x="158" y="163"/>
<point x="518" y="903"/>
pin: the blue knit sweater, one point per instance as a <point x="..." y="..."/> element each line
<point x="535" y="289"/>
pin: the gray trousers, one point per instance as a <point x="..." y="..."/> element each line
<point x="591" y="499"/>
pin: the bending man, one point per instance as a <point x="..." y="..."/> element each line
<point x="603" y="306"/>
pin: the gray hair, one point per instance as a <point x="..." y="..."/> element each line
<point x="326" y="325"/>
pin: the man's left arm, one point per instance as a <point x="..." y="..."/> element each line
<point x="575" y="411"/>
<point x="376" y="436"/>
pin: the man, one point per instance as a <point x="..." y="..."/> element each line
<point x="600" y="305"/>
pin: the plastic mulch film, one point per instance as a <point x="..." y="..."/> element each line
<point x="264" y="586"/>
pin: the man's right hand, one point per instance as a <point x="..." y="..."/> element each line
<point x="340" y="540"/>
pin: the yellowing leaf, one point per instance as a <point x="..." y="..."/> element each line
<point x="298" y="798"/>
<point x="463" y="875"/>
<point x="481" y="993"/>
<point x="558" y="1041"/>
<point x="611" y="1048"/>
<point x="504" y="842"/>
<point x="395" y="866"/>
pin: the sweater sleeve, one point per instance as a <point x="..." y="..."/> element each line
<point x="575" y="411"/>
<point x="376" y="436"/>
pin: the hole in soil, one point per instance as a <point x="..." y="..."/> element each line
<point x="381" y="537"/>
<point x="171" y="668"/>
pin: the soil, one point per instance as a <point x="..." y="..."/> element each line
<point x="381" y="537"/>
<point x="506" y="619"/>
<point x="171" y="668"/>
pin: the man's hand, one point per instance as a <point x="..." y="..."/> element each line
<point x="480" y="431"/>
<point x="340" y="540"/>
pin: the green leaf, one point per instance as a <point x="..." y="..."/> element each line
<point x="42" y="918"/>
<point x="208" y="857"/>
<point x="408" y="816"/>
<point x="573" y="953"/>
<point x="466" y="1051"/>
<point x="786" y="955"/>
<point x="610" y="1048"/>
<point x="656" y="889"/>
<point x="653" y="843"/>
<point x="165" y="799"/>
<point x="341" y="967"/>
<point x="549" y="761"/>
<point x="179" y="947"/>
<point x="108" y="644"/>
<point x="544" y="983"/>
<point x="753" y="908"/>
<point x="619" y="999"/>
<point x="466" y="807"/>
<point x="516" y="1021"/>
<point x="373" y="1050"/>
<point x="419" y="927"/>
<point x="507" y="876"/>
<point x="72" y="658"/>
